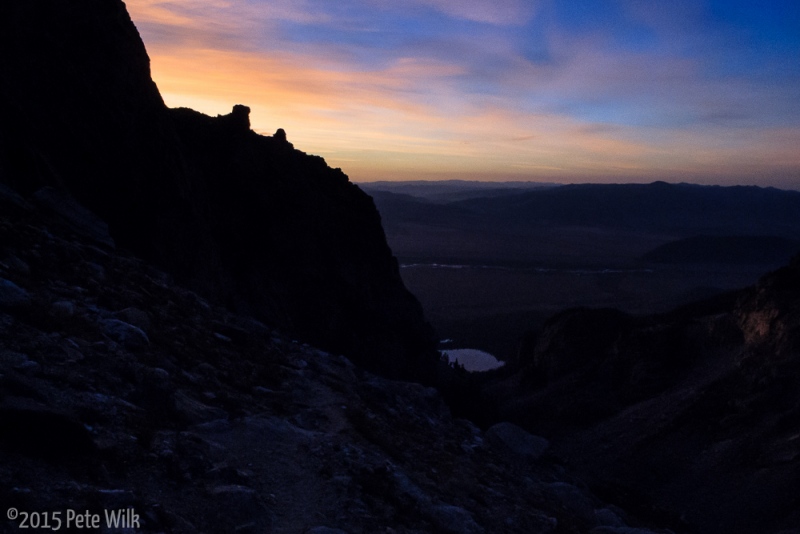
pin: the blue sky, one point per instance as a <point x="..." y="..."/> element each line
<point x="568" y="91"/>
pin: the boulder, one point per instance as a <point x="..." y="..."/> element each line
<point x="12" y="296"/>
<point x="129" y="336"/>
<point x="511" y="440"/>
<point x="454" y="520"/>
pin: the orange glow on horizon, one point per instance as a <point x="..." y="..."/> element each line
<point x="407" y="119"/>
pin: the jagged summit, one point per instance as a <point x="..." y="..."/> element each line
<point x="240" y="116"/>
<point x="280" y="134"/>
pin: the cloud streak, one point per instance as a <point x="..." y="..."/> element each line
<point x="497" y="12"/>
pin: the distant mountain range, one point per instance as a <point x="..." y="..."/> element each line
<point x="659" y="206"/>
<point x="679" y="209"/>
<point x="585" y="224"/>
<point x="451" y="190"/>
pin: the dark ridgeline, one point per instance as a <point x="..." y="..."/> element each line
<point x="675" y="209"/>
<point x="658" y="206"/>
<point x="242" y="218"/>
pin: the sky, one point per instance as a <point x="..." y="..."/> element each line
<point x="703" y="91"/>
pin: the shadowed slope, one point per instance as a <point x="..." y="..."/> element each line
<point x="691" y="414"/>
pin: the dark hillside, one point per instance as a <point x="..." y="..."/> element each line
<point x="745" y="250"/>
<point x="692" y="414"/>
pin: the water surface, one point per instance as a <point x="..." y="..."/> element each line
<point x="473" y="359"/>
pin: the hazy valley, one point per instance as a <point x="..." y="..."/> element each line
<point x="490" y="262"/>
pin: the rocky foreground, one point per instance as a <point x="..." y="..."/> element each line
<point x="120" y="389"/>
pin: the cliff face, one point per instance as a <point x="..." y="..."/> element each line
<point x="244" y="219"/>
<point x="300" y="245"/>
<point x="80" y="110"/>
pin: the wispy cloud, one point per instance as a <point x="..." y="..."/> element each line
<point x="499" y="12"/>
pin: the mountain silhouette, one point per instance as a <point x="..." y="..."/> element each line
<point x="244" y="219"/>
